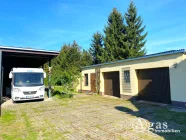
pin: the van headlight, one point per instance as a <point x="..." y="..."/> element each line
<point x="16" y="90"/>
<point x="41" y="89"/>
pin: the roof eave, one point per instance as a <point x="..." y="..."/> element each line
<point x="27" y="49"/>
<point x="138" y="58"/>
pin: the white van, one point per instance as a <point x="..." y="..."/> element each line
<point x="27" y="84"/>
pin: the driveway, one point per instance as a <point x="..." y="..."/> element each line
<point x="90" y="117"/>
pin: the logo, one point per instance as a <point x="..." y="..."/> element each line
<point x="142" y="125"/>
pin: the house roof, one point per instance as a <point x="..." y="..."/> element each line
<point x="137" y="58"/>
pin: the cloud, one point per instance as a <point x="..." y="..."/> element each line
<point x="51" y="38"/>
<point x="164" y="42"/>
<point x="154" y="5"/>
<point x="78" y="8"/>
<point x="165" y="45"/>
<point x="43" y="38"/>
<point x="175" y="47"/>
<point x="68" y="8"/>
<point x="1" y="40"/>
<point x="65" y="8"/>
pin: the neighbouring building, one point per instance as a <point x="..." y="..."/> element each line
<point x="159" y="77"/>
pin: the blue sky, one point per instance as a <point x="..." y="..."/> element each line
<point x="48" y="24"/>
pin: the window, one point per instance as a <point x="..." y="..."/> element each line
<point x="86" y="79"/>
<point x="126" y="84"/>
<point x="127" y="76"/>
<point x="28" y="79"/>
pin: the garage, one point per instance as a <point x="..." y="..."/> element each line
<point x="112" y="84"/>
<point x="154" y="85"/>
<point x="12" y="57"/>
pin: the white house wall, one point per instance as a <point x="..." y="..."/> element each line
<point x="177" y="75"/>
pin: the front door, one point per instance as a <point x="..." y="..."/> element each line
<point x="93" y="82"/>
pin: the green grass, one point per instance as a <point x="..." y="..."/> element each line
<point x="60" y="92"/>
<point x="6" y="120"/>
<point x="62" y="88"/>
<point x="165" y="114"/>
<point x="12" y="130"/>
<point x="30" y="130"/>
<point x="8" y="137"/>
<point x="121" y="138"/>
<point x="8" y="117"/>
<point x="59" y="88"/>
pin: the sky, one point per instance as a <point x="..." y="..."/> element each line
<point x="48" y="24"/>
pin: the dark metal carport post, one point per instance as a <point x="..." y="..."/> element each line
<point x="1" y="87"/>
<point x="49" y="79"/>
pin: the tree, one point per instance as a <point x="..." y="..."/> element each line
<point x="135" y="39"/>
<point x="96" y="49"/>
<point x="67" y="65"/>
<point x="86" y="58"/>
<point x="114" y="40"/>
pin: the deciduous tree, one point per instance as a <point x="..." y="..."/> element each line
<point x="67" y="65"/>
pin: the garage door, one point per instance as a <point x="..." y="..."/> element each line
<point x="111" y="84"/>
<point x="154" y="85"/>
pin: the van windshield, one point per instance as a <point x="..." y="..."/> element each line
<point x="28" y="79"/>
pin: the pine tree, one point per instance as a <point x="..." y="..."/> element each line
<point x="96" y="49"/>
<point x="86" y="58"/>
<point x="114" y="40"/>
<point x="135" y="39"/>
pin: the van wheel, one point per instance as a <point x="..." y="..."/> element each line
<point x="14" y="102"/>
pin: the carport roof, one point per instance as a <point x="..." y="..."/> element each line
<point x="137" y="58"/>
<point x="25" y="57"/>
<point x="28" y="50"/>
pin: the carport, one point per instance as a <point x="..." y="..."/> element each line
<point x="21" y="57"/>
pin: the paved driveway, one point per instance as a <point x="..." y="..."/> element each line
<point x="88" y="117"/>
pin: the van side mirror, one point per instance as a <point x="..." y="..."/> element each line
<point x="10" y="75"/>
<point x="44" y="75"/>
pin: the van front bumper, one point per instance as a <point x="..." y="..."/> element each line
<point x="27" y="95"/>
<point x="23" y="98"/>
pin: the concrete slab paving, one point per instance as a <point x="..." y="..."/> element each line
<point x="82" y="118"/>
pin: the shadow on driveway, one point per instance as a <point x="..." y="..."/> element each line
<point x="159" y="119"/>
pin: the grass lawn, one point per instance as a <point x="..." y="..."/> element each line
<point x="88" y="117"/>
<point x="59" y="88"/>
<point x="62" y="88"/>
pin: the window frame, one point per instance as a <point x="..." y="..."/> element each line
<point x="86" y="79"/>
<point x="126" y="74"/>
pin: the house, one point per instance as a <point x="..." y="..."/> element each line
<point x="159" y="77"/>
